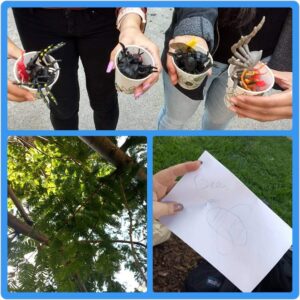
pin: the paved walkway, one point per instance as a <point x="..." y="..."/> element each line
<point x="134" y="114"/>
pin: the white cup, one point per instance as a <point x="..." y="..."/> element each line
<point x="27" y="56"/>
<point x="125" y="84"/>
<point x="192" y="81"/>
<point x="266" y="75"/>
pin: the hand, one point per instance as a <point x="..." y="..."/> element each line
<point x="17" y="94"/>
<point x="131" y="34"/>
<point x="14" y="92"/>
<point x="181" y="39"/>
<point x="163" y="182"/>
<point x="267" y="108"/>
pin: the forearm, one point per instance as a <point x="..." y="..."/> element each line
<point x="12" y="50"/>
<point x="196" y="22"/>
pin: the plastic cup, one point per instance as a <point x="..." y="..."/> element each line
<point x="267" y="76"/>
<point x="27" y="57"/>
<point x="191" y="81"/>
<point x="125" y="84"/>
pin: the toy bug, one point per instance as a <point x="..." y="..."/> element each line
<point x="190" y="60"/>
<point x="131" y="65"/>
<point x="247" y="72"/>
<point x="39" y="73"/>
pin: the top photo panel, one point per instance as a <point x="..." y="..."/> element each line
<point x="149" y="68"/>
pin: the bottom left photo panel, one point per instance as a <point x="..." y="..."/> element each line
<point x="76" y="214"/>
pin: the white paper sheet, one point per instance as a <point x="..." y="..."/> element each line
<point x="227" y="224"/>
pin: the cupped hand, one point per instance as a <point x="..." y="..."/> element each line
<point x="163" y="182"/>
<point x="182" y="39"/>
<point x="18" y="94"/>
<point x="134" y="36"/>
<point x="267" y="108"/>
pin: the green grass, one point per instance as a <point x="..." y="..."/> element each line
<point x="263" y="164"/>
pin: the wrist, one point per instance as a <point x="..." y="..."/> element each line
<point x="133" y="16"/>
<point x="128" y="34"/>
<point x="130" y="21"/>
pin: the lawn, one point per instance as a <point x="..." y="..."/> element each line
<point x="263" y="164"/>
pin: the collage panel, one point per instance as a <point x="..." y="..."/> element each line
<point x="226" y="225"/>
<point x="185" y="69"/>
<point x="118" y="179"/>
<point x="76" y="214"/>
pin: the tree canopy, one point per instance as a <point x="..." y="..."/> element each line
<point x="76" y="213"/>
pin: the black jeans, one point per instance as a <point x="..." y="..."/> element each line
<point x="90" y="34"/>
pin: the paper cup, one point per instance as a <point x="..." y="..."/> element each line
<point x="191" y="81"/>
<point x="27" y="57"/>
<point x="266" y="76"/>
<point x="125" y="84"/>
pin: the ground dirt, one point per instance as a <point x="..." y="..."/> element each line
<point x="172" y="261"/>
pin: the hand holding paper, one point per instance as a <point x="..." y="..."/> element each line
<point x="163" y="182"/>
<point x="227" y="224"/>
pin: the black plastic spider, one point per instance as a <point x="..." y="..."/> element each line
<point x="42" y="71"/>
<point x="131" y="65"/>
<point x="190" y="60"/>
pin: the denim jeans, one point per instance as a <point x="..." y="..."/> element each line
<point x="178" y="108"/>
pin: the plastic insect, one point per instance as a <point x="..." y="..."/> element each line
<point x="246" y="73"/>
<point x="131" y="65"/>
<point x="251" y="79"/>
<point x="190" y="60"/>
<point x="40" y="72"/>
<point x="22" y="73"/>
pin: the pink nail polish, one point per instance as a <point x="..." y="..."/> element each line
<point x="110" y="67"/>
<point x="146" y="86"/>
<point x="136" y="96"/>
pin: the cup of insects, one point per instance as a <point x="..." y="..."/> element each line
<point x="190" y="81"/>
<point x="123" y="82"/>
<point x="258" y="84"/>
<point x="27" y="57"/>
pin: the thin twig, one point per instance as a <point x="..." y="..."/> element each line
<point x="135" y="257"/>
<point x="114" y="241"/>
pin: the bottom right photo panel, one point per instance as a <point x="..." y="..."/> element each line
<point x="222" y="214"/>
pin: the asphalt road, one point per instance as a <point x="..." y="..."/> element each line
<point x="134" y="114"/>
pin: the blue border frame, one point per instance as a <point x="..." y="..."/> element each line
<point x="294" y="134"/>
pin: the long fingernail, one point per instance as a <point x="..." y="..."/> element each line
<point x="110" y="66"/>
<point x="178" y="207"/>
<point x="146" y="86"/>
<point x="137" y="95"/>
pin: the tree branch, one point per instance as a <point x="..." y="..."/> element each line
<point x="135" y="257"/>
<point x="108" y="150"/>
<point x="112" y="153"/>
<point x="19" y="206"/>
<point x="114" y="241"/>
<point x="25" y="229"/>
<point x="133" y="141"/>
<point x="80" y="283"/>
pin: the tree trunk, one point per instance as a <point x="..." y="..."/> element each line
<point x="25" y="229"/>
<point x="108" y="150"/>
<point x="112" y="153"/>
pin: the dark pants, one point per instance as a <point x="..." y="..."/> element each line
<point x="90" y="34"/>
